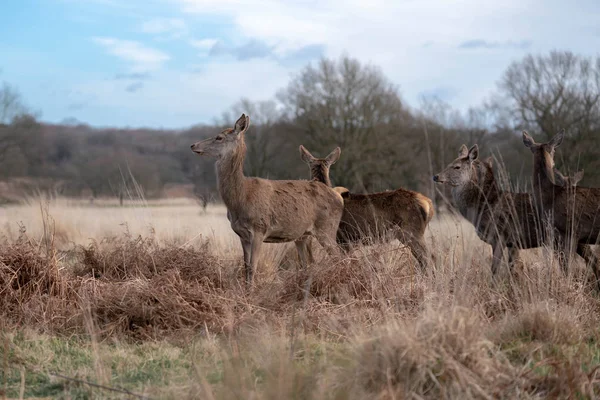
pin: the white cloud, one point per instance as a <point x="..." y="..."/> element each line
<point x="417" y="44"/>
<point x="388" y="34"/>
<point x="366" y="28"/>
<point x="393" y="35"/>
<point x="141" y="57"/>
<point x="204" y="44"/>
<point x="179" y="99"/>
<point x="172" y="28"/>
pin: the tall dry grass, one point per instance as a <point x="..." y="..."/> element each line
<point x="369" y="325"/>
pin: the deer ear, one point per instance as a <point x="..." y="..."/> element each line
<point x="490" y="161"/>
<point x="306" y="156"/>
<point x="473" y="153"/>
<point x="557" y="140"/>
<point x="242" y="124"/>
<point x="528" y="140"/>
<point x="334" y="156"/>
<point x="463" y="152"/>
<point x="577" y="177"/>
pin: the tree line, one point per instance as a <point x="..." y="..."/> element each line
<point x="335" y="102"/>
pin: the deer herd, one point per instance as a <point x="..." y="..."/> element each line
<point x="557" y="211"/>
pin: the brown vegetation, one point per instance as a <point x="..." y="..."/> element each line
<point x="378" y="328"/>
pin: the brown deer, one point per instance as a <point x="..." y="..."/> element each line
<point x="400" y="214"/>
<point x="262" y="210"/>
<point x="502" y="219"/>
<point x="567" y="181"/>
<point x="573" y="211"/>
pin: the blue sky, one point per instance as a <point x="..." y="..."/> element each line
<point x="174" y="63"/>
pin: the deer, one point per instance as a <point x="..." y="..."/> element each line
<point x="568" y="181"/>
<point x="269" y="211"/>
<point x="502" y="219"/>
<point x="573" y="211"/>
<point x="401" y="214"/>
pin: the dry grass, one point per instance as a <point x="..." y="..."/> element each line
<point x="152" y="299"/>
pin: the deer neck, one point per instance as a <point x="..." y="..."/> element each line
<point x="230" y="177"/>
<point x="489" y="186"/>
<point x="543" y="175"/>
<point x="320" y="173"/>
<point x="475" y="199"/>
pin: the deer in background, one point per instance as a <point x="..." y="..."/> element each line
<point x="202" y="196"/>
<point x="573" y="211"/>
<point x="401" y="214"/>
<point x="567" y="181"/>
<point x="502" y="219"/>
<point x="262" y="210"/>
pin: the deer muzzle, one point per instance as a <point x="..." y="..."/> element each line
<point x="196" y="149"/>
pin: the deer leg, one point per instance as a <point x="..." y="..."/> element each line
<point x="327" y="241"/>
<point x="585" y="251"/>
<point x="513" y="255"/>
<point x="255" y="245"/>
<point x="561" y="247"/>
<point x="345" y="246"/>
<point x="304" y="251"/>
<point x="247" y="247"/>
<point x="309" y="248"/>
<point x="497" y="255"/>
<point x="343" y="240"/>
<point x="418" y="248"/>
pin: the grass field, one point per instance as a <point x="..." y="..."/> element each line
<point x="148" y="301"/>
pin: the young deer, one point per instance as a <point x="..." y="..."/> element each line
<point x="402" y="212"/>
<point x="501" y="219"/>
<point x="573" y="211"/>
<point x="262" y="210"/>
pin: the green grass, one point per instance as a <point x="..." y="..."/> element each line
<point x="161" y="369"/>
<point x="223" y="368"/>
<point x="140" y="368"/>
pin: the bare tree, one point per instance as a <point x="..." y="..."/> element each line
<point x="11" y="103"/>
<point x="343" y="103"/>
<point x="558" y="91"/>
<point x="22" y="147"/>
<point x="11" y="107"/>
<point x="201" y="189"/>
<point x="553" y="92"/>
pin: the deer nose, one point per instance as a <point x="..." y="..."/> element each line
<point x="435" y="178"/>
<point x="192" y="146"/>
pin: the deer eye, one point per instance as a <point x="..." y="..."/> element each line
<point x="457" y="167"/>
<point x="219" y="138"/>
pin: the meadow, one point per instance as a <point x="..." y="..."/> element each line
<point x="148" y="301"/>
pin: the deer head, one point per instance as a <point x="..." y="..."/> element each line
<point x="543" y="154"/>
<point x="328" y="161"/>
<point x="225" y="142"/>
<point x="460" y="171"/>
<point x="319" y="167"/>
<point x="546" y="147"/>
<point x="567" y="181"/>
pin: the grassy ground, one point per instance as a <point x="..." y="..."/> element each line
<point x="149" y="300"/>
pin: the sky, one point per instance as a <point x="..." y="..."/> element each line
<point x="176" y="63"/>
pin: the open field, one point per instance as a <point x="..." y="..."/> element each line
<point x="149" y="299"/>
